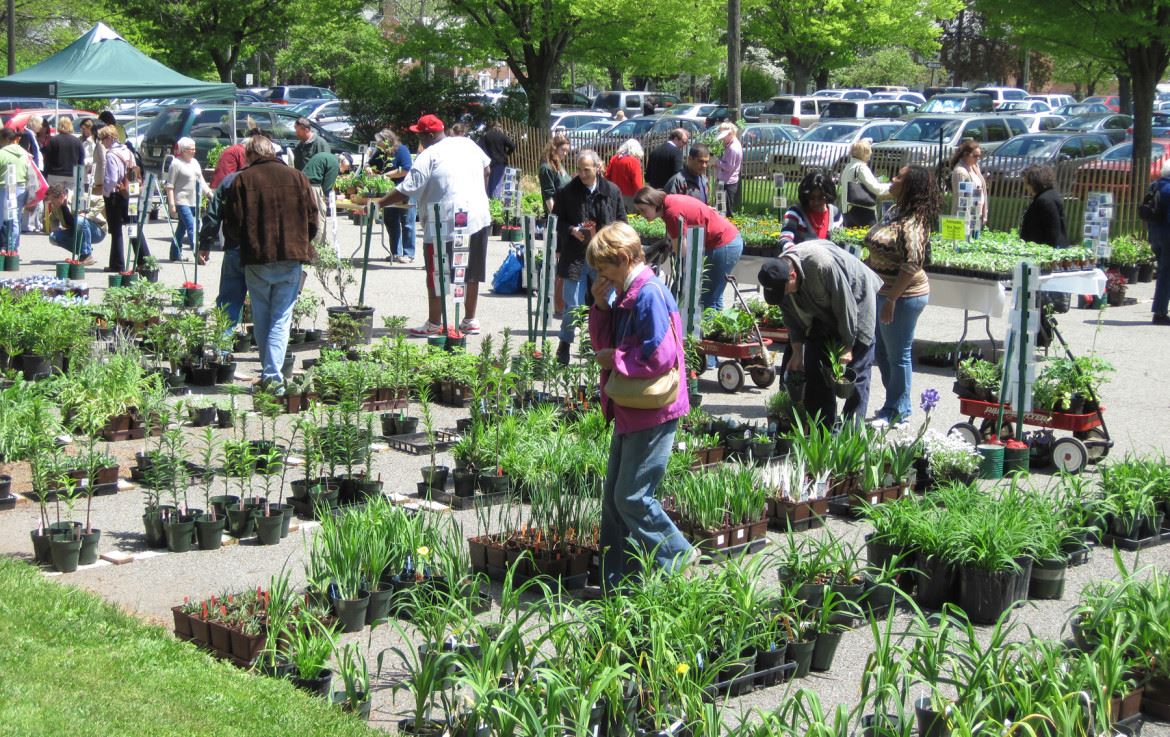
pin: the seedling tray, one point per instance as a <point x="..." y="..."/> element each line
<point x="417" y="443"/>
<point x="98" y="490"/>
<point x="758" y="679"/>
<point x="782" y="524"/>
<point x="1127" y="543"/>
<point x="460" y="503"/>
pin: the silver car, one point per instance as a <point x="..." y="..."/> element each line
<point x="826" y="145"/>
<point x="928" y="138"/>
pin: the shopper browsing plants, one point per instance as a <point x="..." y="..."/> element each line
<point x="635" y="328"/>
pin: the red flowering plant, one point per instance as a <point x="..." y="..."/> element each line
<point x="72" y="262"/>
<point x="454" y="333"/>
<point x="190" y="286"/>
<point x="1114" y="281"/>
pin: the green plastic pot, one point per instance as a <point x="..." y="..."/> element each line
<point x="65" y="551"/>
<point x="268" y="527"/>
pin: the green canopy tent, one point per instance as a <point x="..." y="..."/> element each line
<point x="103" y="64"/>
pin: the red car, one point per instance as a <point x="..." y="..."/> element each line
<point x="1113" y="102"/>
<point x="18" y="119"/>
<point x="1111" y="172"/>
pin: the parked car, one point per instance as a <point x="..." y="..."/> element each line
<point x="826" y="145"/>
<point x="1082" y="108"/>
<point x="760" y="141"/>
<point x="716" y="116"/>
<point x="1063" y="151"/>
<point x="844" y="94"/>
<point x="885" y="88"/>
<point x="930" y="92"/>
<point x="794" y="110"/>
<point x="1113" y="102"/>
<point x="1114" y="126"/>
<point x="699" y="111"/>
<point x="322" y="111"/>
<point x="925" y="138"/>
<point x="1161" y="125"/>
<point x="1040" y="122"/>
<point x="211" y="125"/>
<point x="855" y="109"/>
<point x="633" y="101"/>
<point x="913" y="97"/>
<point x="1023" y="106"/>
<point x="751" y="112"/>
<point x="288" y="94"/>
<point x="1110" y="172"/>
<point x="966" y="102"/>
<point x="568" y="100"/>
<point x="1054" y="101"/>
<point x="572" y="119"/>
<point x="1002" y="94"/>
<point x="19" y="119"/>
<point x="584" y="135"/>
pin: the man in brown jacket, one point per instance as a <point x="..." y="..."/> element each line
<point x="270" y="212"/>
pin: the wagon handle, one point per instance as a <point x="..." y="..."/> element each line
<point x="755" y="324"/>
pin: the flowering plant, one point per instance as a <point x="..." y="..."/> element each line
<point x="1114" y="281"/>
<point x="72" y="262"/>
<point x="191" y="285"/>
<point x="948" y="456"/>
<point x="454" y="333"/>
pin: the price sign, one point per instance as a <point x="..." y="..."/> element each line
<point x="952" y="228"/>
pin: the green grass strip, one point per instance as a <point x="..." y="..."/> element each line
<point x="73" y="664"/>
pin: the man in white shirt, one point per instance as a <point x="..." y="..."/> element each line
<point x="451" y="172"/>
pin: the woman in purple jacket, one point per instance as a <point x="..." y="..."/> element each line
<point x="636" y="331"/>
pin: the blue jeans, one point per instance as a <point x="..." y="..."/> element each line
<point x="273" y="289"/>
<point x="720" y="262"/>
<point x="90" y="233"/>
<point x="574" y="292"/>
<point x="632" y="520"/>
<point x="495" y="176"/>
<point x="186" y="227"/>
<point x="894" y="347"/>
<point x="1160" y="241"/>
<point x="232" y="285"/>
<point x="10" y="230"/>
<point x="400" y="227"/>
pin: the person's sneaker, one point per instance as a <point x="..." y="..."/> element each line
<point x="426" y="329"/>
<point x="1161" y="319"/>
<point x="879" y="423"/>
<point x="470" y="326"/>
<point x="563" y="353"/>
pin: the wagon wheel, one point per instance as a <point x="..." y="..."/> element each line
<point x="967" y="432"/>
<point x="702" y="363"/>
<point x="987" y="429"/>
<point x="1096" y="443"/>
<point x="1070" y="455"/>
<point x="763" y="376"/>
<point x="731" y="376"/>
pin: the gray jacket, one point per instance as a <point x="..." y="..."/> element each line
<point x="837" y="297"/>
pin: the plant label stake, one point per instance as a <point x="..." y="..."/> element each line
<point x="546" y="275"/>
<point x="371" y="212"/>
<point x="779" y="199"/>
<point x="1022" y="335"/>
<point x="721" y="197"/>
<point x="459" y="258"/>
<point x="78" y="213"/>
<point x="194" y="232"/>
<point x="1098" y="215"/>
<point x="150" y="189"/>
<point x="439" y="276"/>
<point x="529" y="230"/>
<point x="692" y="278"/>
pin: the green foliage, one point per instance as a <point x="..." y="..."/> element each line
<point x="890" y="65"/>
<point x="754" y="85"/>
<point x="327" y="36"/>
<point x="379" y="97"/>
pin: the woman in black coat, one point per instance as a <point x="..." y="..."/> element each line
<point x="584" y="206"/>
<point x="1044" y="219"/>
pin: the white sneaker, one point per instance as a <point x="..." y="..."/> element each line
<point x="470" y="326"/>
<point x="879" y="423"/>
<point x="428" y="328"/>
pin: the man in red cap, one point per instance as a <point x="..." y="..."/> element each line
<point x="451" y="172"/>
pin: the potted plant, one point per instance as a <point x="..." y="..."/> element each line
<point x="310" y="645"/>
<point x="336" y="277"/>
<point x="434" y="475"/>
<point x="355" y="678"/>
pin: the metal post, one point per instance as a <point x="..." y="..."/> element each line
<point x="529" y="226"/>
<point x="546" y="280"/>
<point x="440" y="276"/>
<point x="78" y="183"/>
<point x="371" y="211"/>
<point x="1022" y="358"/>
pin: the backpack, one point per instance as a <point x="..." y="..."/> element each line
<point x="1150" y="206"/>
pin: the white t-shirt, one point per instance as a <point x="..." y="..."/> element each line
<point x="449" y="173"/>
<point x="184" y="176"/>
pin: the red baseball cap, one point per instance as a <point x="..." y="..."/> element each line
<point x="428" y="124"/>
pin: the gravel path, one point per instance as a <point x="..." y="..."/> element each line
<point x="1136" y="400"/>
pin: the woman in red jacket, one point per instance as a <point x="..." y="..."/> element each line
<point x="625" y="170"/>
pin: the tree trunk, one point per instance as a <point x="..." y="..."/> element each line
<point x="615" y="78"/>
<point x="823" y="79"/>
<point x="225" y="61"/>
<point x="1124" y="94"/>
<point x="1145" y="65"/>
<point x="538" y="84"/>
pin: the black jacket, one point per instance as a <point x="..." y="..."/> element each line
<point x="575" y="204"/>
<point x="664" y="161"/>
<point x="1044" y="220"/>
<point x="496" y="144"/>
<point x="62" y="154"/>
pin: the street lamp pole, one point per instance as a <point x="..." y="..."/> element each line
<point x="733" y="57"/>
<point x="11" y="10"/>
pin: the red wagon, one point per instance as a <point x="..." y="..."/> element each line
<point x="1089" y="442"/>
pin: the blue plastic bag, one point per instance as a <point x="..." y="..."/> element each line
<point x="507" y="279"/>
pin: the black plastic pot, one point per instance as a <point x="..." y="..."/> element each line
<point x="801" y="653"/>
<point x="768" y="659"/>
<point x="879" y="553"/>
<point x="881" y="725"/>
<point x="352" y="612"/>
<point x="65" y="552"/>
<point x="318" y="686"/>
<point x="364" y="316"/>
<point x="209" y="532"/>
<point x="435" y="477"/>
<point x="268" y="527"/>
<point x="825" y="651"/>
<point x="241" y="523"/>
<point x="1047" y="579"/>
<point x="180" y="533"/>
<point x="42" y="547"/>
<point x="986" y="595"/>
<point x="203" y="416"/>
<point x="221" y="504"/>
<point x="285" y="511"/>
<point x="89" y="547"/>
<point x="153" y="523"/>
<point x="389" y="423"/>
<point x="223" y="418"/>
<point x="937" y="582"/>
<point x="5" y="486"/>
<point x="35" y="366"/>
<point x="931" y="723"/>
<point x="491" y="483"/>
<point x="201" y="376"/>
<point x="465" y="483"/>
<point x="225" y="373"/>
<point x="379" y="606"/>
<point x="740" y="668"/>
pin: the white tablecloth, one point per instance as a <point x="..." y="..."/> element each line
<point x="988" y="297"/>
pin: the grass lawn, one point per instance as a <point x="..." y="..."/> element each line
<point x="71" y="664"/>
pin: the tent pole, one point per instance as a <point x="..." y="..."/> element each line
<point x="234" y="123"/>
